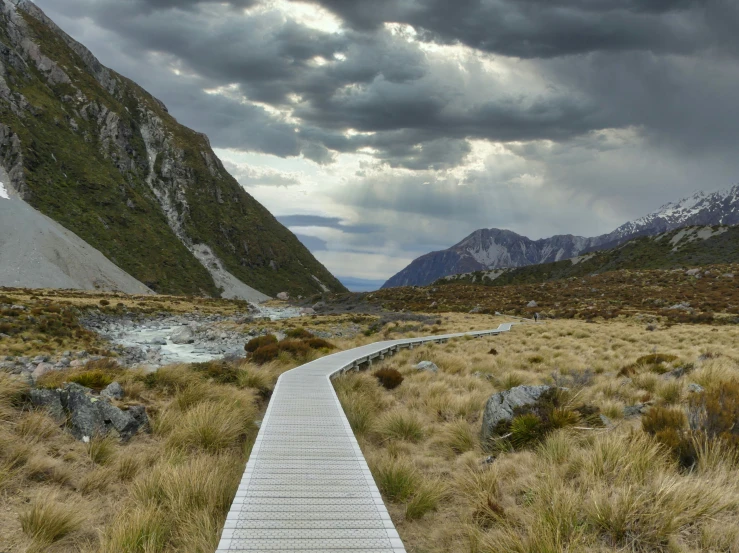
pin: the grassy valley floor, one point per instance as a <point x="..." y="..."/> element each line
<point x="609" y="486"/>
<point x="593" y="484"/>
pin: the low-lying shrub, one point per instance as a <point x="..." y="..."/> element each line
<point x="389" y="378"/>
<point x="319" y="343"/>
<point x="265" y="354"/>
<point x="299" y="334"/>
<point x="260" y="341"/>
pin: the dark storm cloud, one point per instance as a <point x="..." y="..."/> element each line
<point x="548" y="28"/>
<point x="663" y="66"/>
<point x="189" y="4"/>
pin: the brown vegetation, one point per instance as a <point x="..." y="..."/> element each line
<point x="585" y="486"/>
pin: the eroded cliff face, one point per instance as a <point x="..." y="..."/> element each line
<point x="101" y="156"/>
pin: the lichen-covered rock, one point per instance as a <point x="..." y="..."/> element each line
<point x="85" y="420"/>
<point x="499" y="407"/>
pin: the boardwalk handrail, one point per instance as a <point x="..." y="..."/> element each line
<point x="307" y="486"/>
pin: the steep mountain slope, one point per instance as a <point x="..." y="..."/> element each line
<point x="489" y="249"/>
<point x="675" y="249"/>
<point x="36" y="252"/>
<point x="102" y="157"/>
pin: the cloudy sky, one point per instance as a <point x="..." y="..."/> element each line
<point x="379" y="130"/>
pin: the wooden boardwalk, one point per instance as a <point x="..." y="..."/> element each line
<point x="307" y="486"/>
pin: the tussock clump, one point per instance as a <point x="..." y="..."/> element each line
<point x="95" y="375"/>
<point x="401" y="425"/>
<point x="397" y="480"/>
<point x="48" y="520"/>
<point x="425" y="499"/>
<point x="389" y="378"/>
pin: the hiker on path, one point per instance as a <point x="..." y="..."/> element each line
<point x="536" y="317"/>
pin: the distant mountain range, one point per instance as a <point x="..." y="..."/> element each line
<point x="102" y="158"/>
<point x="489" y="249"/>
<point x="691" y="246"/>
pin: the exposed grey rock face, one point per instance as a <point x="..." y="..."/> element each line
<point x="695" y="388"/>
<point x="49" y="400"/>
<point x="90" y="416"/>
<point x="427" y="366"/>
<point x="85" y="420"/>
<point x="126" y="423"/>
<point x="500" y="406"/>
<point x="532" y="303"/>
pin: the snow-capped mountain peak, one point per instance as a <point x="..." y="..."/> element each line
<point x="488" y="249"/>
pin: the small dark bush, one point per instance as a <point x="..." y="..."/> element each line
<point x="255" y="343"/>
<point x="319" y="343"/>
<point x="493" y="351"/>
<point x="389" y="378"/>
<point x="104" y="303"/>
<point x="265" y="354"/>
<point x="299" y="334"/>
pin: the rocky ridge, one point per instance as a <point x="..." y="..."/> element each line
<point x="495" y="249"/>
<point x="100" y="156"/>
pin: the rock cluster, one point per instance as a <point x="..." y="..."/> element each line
<point x="32" y="368"/>
<point x="88" y="415"/>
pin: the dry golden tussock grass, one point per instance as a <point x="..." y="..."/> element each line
<point x="159" y="492"/>
<point x="597" y="489"/>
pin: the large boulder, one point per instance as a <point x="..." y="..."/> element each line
<point x="183" y="335"/>
<point x="91" y="416"/>
<point x="500" y="407"/>
<point x="427" y="366"/>
<point x="126" y="423"/>
<point x="51" y="401"/>
<point x="283" y="296"/>
<point x="85" y="420"/>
